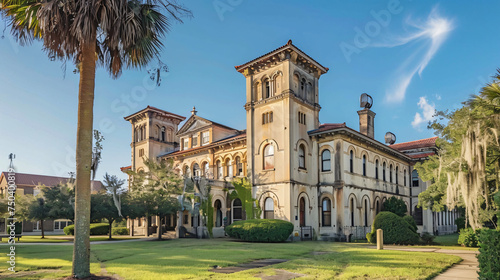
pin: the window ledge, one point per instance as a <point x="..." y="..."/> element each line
<point x="270" y="169"/>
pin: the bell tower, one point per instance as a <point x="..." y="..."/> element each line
<point x="153" y="134"/>
<point x="282" y="106"/>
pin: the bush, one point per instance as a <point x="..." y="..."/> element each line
<point x="69" y="230"/>
<point x="265" y="230"/>
<point x="411" y="221"/>
<point x="120" y="231"/>
<point x="95" y="229"/>
<point x="396" y="230"/>
<point x="396" y="206"/>
<point x="489" y="254"/>
<point x="460" y="222"/>
<point x="468" y="237"/>
<point x="427" y="238"/>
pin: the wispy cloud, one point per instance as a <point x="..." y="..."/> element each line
<point x="429" y="35"/>
<point x="427" y="113"/>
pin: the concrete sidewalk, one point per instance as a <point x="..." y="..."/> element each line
<point x="466" y="269"/>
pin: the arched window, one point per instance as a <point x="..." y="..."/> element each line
<point x="390" y="173"/>
<point x="303" y="88"/>
<point x="162" y="138"/>
<point x="187" y="172"/>
<point x="383" y="171"/>
<point x="351" y="162"/>
<point x="352" y="211"/>
<point x="269" y="157"/>
<point x="326" y="212"/>
<point x="414" y="178"/>
<point x="218" y="213"/>
<point x="237" y="210"/>
<point x="397" y="175"/>
<point x="364" y="165"/>
<point x="326" y="161"/>
<point x="229" y="168"/>
<point x="267" y="88"/>
<point x="269" y="208"/>
<point x="220" y="173"/>
<point x="366" y="212"/>
<point x="377" y="207"/>
<point x="404" y="177"/>
<point x="302" y="156"/>
<point x="376" y="169"/>
<point x="196" y="170"/>
<point x="302" y="212"/>
<point x="169" y="135"/>
<point x="239" y="166"/>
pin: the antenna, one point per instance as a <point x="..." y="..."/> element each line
<point x="390" y="138"/>
<point x="365" y="101"/>
<point x="11" y="157"/>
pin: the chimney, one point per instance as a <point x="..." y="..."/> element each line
<point x="366" y="116"/>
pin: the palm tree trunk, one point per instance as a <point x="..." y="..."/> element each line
<point x="81" y="249"/>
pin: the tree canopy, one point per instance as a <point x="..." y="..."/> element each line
<point x="466" y="170"/>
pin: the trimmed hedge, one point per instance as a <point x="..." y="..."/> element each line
<point x="427" y="238"/>
<point x="468" y="237"/>
<point x="265" y="230"/>
<point x="95" y="229"/>
<point x="489" y="254"/>
<point x="120" y="231"/>
<point x="411" y="221"/>
<point x="396" y="230"/>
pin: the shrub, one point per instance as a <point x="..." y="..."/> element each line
<point x="69" y="230"/>
<point x="411" y="221"/>
<point x="427" y="238"/>
<point x="468" y="237"/>
<point x="460" y="222"/>
<point x="396" y="230"/>
<point x="95" y="229"/>
<point x="265" y="230"/>
<point x="489" y="254"/>
<point x="120" y="231"/>
<point x="396" y="206"/>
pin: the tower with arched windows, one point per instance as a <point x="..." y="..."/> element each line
<point x="153" y="134"/>
<point x="282" y="106"/>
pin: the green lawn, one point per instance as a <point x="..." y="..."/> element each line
<point x="62" y="238"/>
<point x="192" y="258"/>
<point x="447" y="240"/>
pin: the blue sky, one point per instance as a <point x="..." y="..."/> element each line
<point x="411" y="56"/>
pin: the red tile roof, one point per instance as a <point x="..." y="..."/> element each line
<point x="422" y="155"/>
<point x="289" y="43"/>
<point x="417" y="144"/>
<point x="125" y="168"/>
<point x="155" y="109"/>
<point x="50" y="181"/>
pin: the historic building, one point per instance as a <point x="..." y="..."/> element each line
<point x="328" y="179"/>
<point x="31" y="184"/>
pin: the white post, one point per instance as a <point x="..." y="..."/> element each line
<point x="380" y="239"/>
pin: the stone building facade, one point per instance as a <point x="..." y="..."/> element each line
<point x="329" y="180"/>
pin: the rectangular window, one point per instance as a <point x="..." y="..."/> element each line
<point x="205" y="137"/>
<point x="56" y="225"/>
<point x="195" y="141"/>
<point x="186" y="218"/>
<point x="186" y="144"/>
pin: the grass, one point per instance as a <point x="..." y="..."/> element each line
<point x="62" y="238"/>
<point x="447" y="240"/>
<point x="192" y="258"/>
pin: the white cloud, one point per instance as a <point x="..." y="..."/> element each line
<point x="432" y="33"/>
<point x="427" y="112"/>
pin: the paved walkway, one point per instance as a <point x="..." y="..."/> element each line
<point x="466" y="269"/>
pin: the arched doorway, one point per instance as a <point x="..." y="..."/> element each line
<point x="218" y="213"/>
<point x="302" y="212"/>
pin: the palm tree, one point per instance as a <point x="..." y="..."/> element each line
<point x="111" y="33"/>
